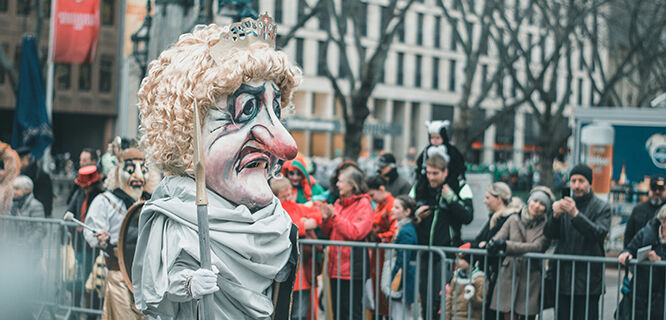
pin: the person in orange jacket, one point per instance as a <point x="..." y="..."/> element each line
<point x="307" y="219"/>
<point x="383" y="229"/>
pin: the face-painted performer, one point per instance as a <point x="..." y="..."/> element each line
<point x="125" y="185"/>
<point x="239" y="85"/>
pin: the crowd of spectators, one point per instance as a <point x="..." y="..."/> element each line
<point x="377" y="201"/>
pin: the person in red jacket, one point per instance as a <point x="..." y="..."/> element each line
<point x="349" y="220"/>
<point x="306" y="219"/>
<point x="383" y="229"/>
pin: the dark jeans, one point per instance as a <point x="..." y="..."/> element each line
<point x="436" y="283"/>
<point x="564" y="307"/>
<point x="347" y="293"/>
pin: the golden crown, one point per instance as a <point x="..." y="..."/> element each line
<point x="242" y="34"/>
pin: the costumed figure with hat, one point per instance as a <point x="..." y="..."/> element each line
<point x="126" y="184"/>
<point x="89" y="185"/>
<point x="9" y="170"/>
<point x="213" y="240"/>
<point x="440" y="144"/>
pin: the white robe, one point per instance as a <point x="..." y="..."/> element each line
<point x="249" y="249"/>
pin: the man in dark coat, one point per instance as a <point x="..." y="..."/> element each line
<point x="43" y="187"/>
<point x="653" y="234"/>
<point x="645" y="211"/>
<point x="397" y="185"/>
<point x="580" y="224"/>
<point x="440" y="225"/>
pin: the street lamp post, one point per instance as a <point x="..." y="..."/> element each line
<point x="140" y="41"/>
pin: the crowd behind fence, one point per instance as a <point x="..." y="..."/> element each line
<point x="47" y="273"/>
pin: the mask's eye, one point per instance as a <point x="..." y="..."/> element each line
<point x="250" y="109"/>
<point x="144" y="169"/>
<point x="276" y="107"/>
<point x="129" y="167"/>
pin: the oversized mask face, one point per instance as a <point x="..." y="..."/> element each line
<point x="133" y="176"/>
<point x="243" y="139"/>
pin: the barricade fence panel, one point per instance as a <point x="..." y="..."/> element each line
<point x="49" y="271"/>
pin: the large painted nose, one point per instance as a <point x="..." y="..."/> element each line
<point x="270" y="132"/>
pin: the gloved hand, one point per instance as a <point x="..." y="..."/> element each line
<point x="496" y="245"/>
<point x="203" y="282"/>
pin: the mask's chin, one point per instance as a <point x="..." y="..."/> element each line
<point x="253" y="190"/>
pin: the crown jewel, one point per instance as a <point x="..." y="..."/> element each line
<point x="242" y="34"/>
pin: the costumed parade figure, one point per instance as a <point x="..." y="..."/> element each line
<point x="440" y="144"/>
<point x="237" y="83"/>
<point x="9" y="170"/>
<point x="125" y="186"/>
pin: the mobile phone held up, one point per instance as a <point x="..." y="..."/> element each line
<point x="566" y="192"/>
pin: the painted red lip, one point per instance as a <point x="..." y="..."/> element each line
<point x="252" y="158"/>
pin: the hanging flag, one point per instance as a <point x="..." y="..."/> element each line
<point x="76" y="28"/>
<point x="31" y="123"/>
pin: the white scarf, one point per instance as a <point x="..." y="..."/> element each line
<point x="249" y="248"/>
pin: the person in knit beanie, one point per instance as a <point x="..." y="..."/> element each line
<point x="580" y="223"/>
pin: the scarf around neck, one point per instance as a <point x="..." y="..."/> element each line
<point x="249" y="248"/>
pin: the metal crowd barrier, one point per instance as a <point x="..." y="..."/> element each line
<point x="45" y="266"/>
<point x="41" y="277"/>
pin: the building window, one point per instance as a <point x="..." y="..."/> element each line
<point x="63" y="76"/>
<point x="342" y="72"/>
<point x="107" y="12"/>
<point x="299" y="53"/>
<point x="384" y="19"/>
<point x="85" y="77"/>
<point x="452" y="75"/>
<point x="401" y="32"/>
<point x="401" y="60"/>
<point x="529" y="47"/>
<point x="453" y="45"/>
<point x="5" y="46"/>
<point x="321" y="65"/>
<point x="324" y="20"/>
<point x="301" y="9"/>
<point x="417" y="74"/>
<point x="581" y="58"/>
<point x="542" y="45"/>
<point x="419" y="30"/>
<point x="435" y="73"/>
<point x="3" y="6"/>
<point x="105" y="73"/>
<point x="580" y="92"/>
<point x="438" y="30"/>
<point x="364" y="21"/>
<point x="484" y="75"/>
<point x="23" y="7"/>
<point x="277" y="11"/>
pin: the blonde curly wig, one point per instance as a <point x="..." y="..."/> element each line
<point x="186" y="72"/>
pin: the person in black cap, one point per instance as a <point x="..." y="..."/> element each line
<point x="397" y="185"/>
<point x="645" y="211"/>
<point x="43" y="186"/>
<point x="580" y="223"/>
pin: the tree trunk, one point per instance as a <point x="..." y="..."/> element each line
<point x="354" y="125"/>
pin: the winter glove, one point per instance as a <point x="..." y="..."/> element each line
<point x="495" y="246"/>
<point x="202" y="282"/>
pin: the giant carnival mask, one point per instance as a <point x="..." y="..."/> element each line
<point x="132" y="172"/>
<point x="239" y="84"/>
<point x="243" y="139"/>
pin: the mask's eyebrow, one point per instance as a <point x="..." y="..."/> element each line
<point x="276" y="90"/>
